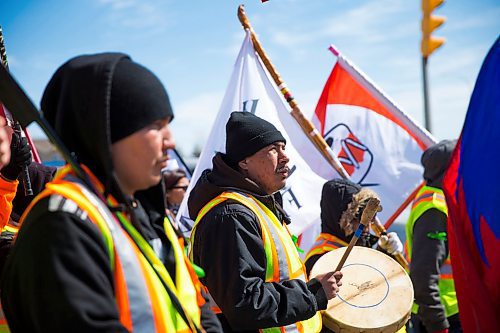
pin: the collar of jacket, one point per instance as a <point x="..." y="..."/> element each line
<point x="222" y="178"/>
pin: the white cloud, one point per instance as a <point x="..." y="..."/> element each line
<point x="144" y="14"/>
<point x="119" y="4"/>
<point x="231" y="49"/>
<point x="194" y="119"/>
<point x="364" y="24"/>
<point x="483" y="19"/>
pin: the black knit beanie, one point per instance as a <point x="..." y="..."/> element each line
<point x="246" y="134"/>
<point x="138" y="99"/>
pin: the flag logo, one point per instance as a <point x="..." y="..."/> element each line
<point x="354" y="155"/>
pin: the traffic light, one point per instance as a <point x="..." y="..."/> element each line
<point x="429" y="24"/>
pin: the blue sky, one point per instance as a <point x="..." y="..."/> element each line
<point x="192" y="46"/>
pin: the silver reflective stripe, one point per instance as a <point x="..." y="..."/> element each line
<point x="292" y="328"/>
<point x="283" y="263"/>
<point x="141" y="310"/>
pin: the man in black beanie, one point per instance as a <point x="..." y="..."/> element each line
<point x="87" y="258"/>
<point x="240" y="238"/>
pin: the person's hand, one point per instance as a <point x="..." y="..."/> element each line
<point x="20" y="157"/>
<point x="4" y="144"/>
<point x="330" y="282"/>
<point x="390" y="243"/>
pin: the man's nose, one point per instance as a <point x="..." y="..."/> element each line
<point x="168" y="143"/>
<point x="284" y="157"/>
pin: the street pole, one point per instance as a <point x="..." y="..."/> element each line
<point x="427" y="111"/>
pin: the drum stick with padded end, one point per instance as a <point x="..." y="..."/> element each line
<point x="368" y="214"/>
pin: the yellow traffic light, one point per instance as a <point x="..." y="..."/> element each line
<point x="429" y="24"/>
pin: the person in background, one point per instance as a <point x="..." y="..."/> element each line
<point x="253" y="271"/>
<point x="342" y="204"/>
<point x="176" y="184"/>
<point x="87" y="258"/>
<point x="435" y="308"/>
<point x="13" y="200"/>
<point x="20" y="157"/>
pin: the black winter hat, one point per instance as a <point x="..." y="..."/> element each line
<point x="138" y="99"/>
<point x="336" y="195"/>
<point x="246" y="134"/>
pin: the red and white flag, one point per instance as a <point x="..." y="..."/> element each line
<point x="378" y="144"/>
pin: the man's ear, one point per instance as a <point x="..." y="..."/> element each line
<point x="243" y="164"/>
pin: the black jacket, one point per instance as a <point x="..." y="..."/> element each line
<point x="58" y="276"/>
<point x="228" y="246"/>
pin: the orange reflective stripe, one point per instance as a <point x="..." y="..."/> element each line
<point x="428" y="196"/>
<point x="276" y="268"/>
<point x="216" y="309"/>
<point x="325" y="243"/>
<point x="121" y="296"/>
<point x="405" y="252"/>
<point x="196" y="282"/>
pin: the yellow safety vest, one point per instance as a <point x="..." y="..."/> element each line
<point x="427" y="198"/>
<point x="142" y="299"/>
<point x="325" y="243"/>
<point x="13" y="229"/>
<point x="282" y="260"/>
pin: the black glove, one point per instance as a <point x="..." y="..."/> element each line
<point x="20" y="153"/>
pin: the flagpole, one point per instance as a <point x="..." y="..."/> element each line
<point x="308" y="128"/>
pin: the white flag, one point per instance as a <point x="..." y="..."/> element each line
<point x="251" y="89"/>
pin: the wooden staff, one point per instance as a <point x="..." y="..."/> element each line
<point x="307" y="127"/>
<point x="369" y="212"/>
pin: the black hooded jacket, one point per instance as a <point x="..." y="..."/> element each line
<point x="58" y="277"/>
<point x="228" y="246"/>
<point x="335" y="197"/>
<point x="428" y="254"/>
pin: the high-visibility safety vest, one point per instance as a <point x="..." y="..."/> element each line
<point x="7" y="193"/>
<point x="282" y="260"/>
<point x="325" y="243"/>
<point x="142" y="299"/>
<point x="433" y="198"/>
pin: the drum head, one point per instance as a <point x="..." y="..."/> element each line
<point x="376" y="293"/>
